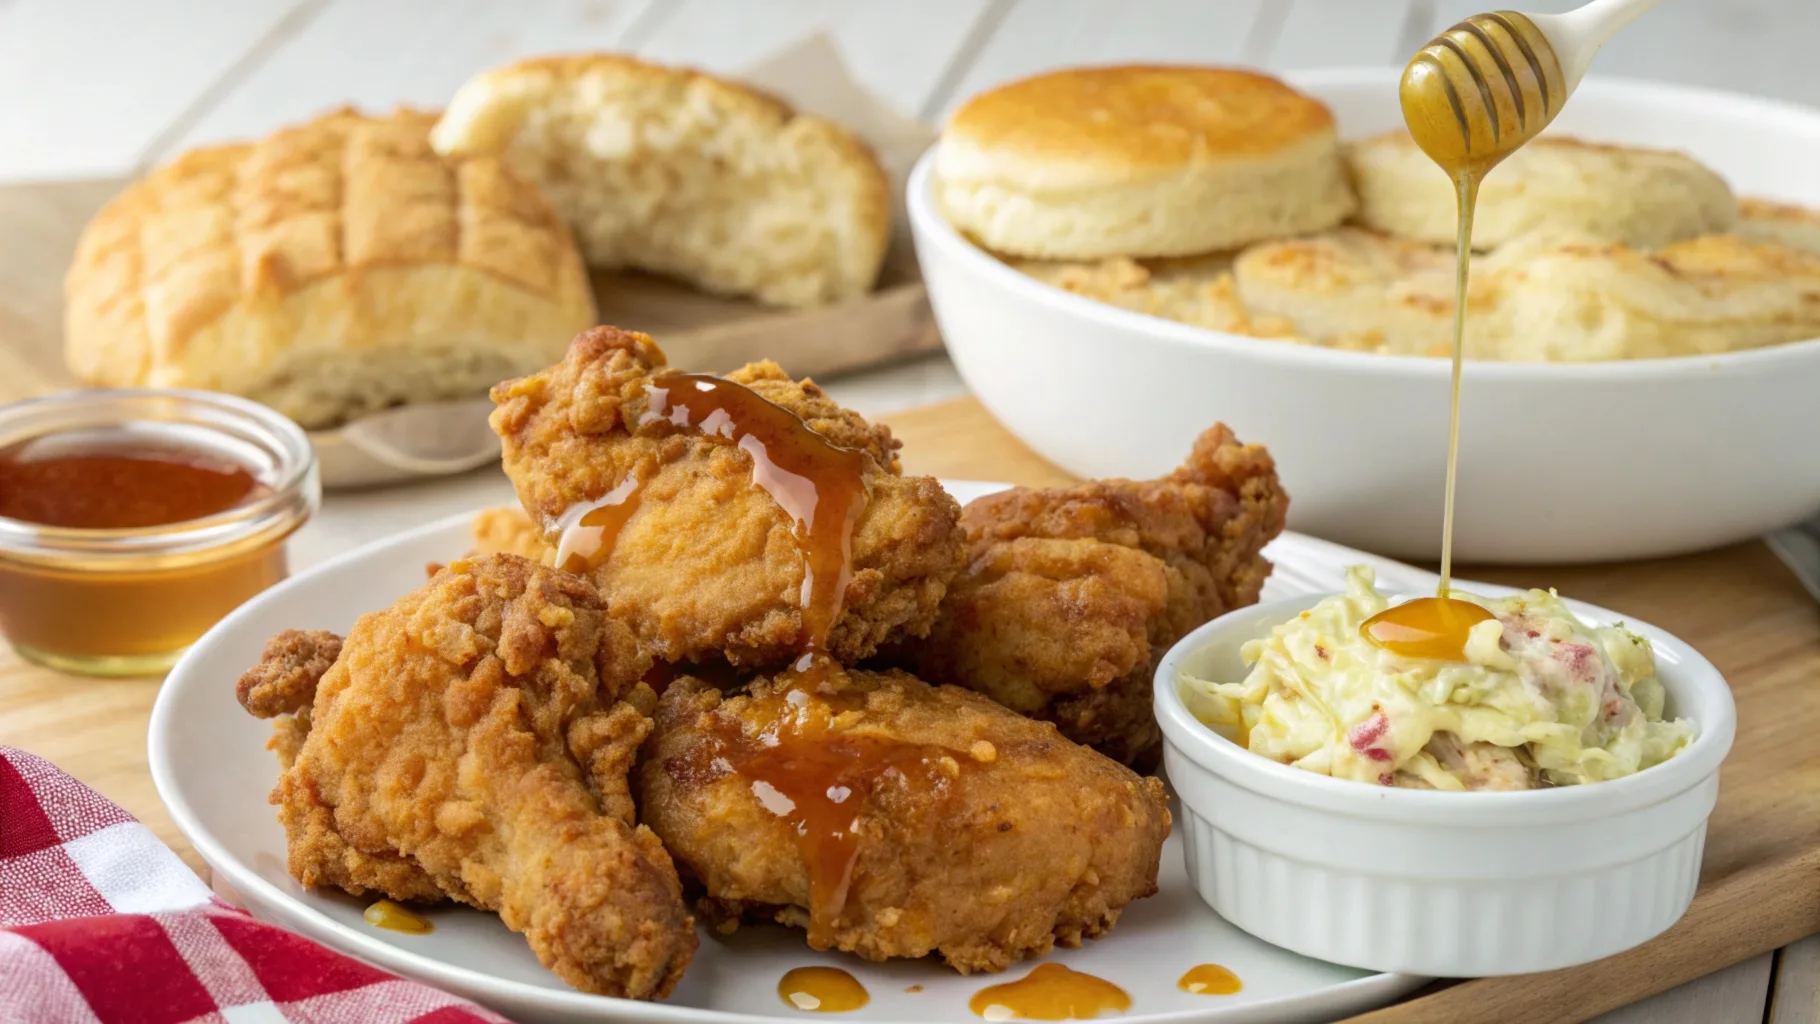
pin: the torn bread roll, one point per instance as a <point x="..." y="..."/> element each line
<point x="684" y="174"/>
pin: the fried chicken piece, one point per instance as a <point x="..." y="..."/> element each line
<point x="709" y="564"/>
<point x="473" y="741"/>
<point x="507" y="529"/>
<point x="894" y="819"/>
<point x="1068" y="596"/>
<point x="283" y="685"/>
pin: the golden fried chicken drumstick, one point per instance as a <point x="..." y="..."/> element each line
<point x="891" y="818"/>
<point x="473" y="742"/>
<point x="1069" y="595"/>
<point x="722" y="516"/>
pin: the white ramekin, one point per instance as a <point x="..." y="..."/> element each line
<point x="1587" y="462"/>
<point x="1434" y="883"/>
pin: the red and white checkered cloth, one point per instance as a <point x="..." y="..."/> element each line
<point x="100" y="923"/>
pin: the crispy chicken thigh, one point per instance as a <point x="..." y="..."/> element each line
<point x="1069" y="595"/>
<point x="891" y="818"/>
<point x="708" y="562"/>
<point x="473" y="742"/>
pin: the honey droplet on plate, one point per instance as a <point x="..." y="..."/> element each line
<point x="396" y="917"/>
<point x="1050" y="992"/>
<point x="822" y="990"/>
<point x="1209" y="980"/>
<point x="1427" y="627"/>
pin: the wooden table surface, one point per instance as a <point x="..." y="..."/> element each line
<point x="104" y="88"/>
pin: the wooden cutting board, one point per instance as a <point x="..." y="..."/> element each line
<point x="1760" y="887"/>
<point x="39" y="226"/>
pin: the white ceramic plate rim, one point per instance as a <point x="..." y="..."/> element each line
<point x="1376" y="989"/>
<point x="933" y="227"/>
<point x="1716" y="725"/>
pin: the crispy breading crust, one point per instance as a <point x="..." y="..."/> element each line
<point x="710" y="564"/>
<point x="1032" y="841"/>
<point x="471" y="742"/>
<point x="282" y="685"/>
<point x="1070" y="594"/>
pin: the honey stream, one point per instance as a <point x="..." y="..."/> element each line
<point x="819" y="484"/>
<point x="1467" y="121"/>
<point x="813" y="776"/>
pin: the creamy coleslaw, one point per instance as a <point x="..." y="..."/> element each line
<point x="1541" y="699"/>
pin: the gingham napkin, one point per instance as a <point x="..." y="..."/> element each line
<point x="100" y="923"/>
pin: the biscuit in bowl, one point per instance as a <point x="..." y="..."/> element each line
<point x="1196" y="290"/>
<point x="1765" y="220"/>
<point x="1355" y="290"/>
<point x="1537" y="301"/>
<point x="1556" y="186"/>
<point x="1704" y="296"/>
<point x="1139" y="161"/>
<point x="684" y="174"/>
<point x="333" y="269"/>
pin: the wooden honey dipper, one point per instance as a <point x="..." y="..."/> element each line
<point x="1491" y="83"/>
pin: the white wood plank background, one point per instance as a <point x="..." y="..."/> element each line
<point x="87" y="85"/>
<point x="94" y="88"/>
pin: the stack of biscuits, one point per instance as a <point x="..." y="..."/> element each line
<point x="1225" y="199"/>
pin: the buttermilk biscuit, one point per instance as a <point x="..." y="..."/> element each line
<point x="1354" y="290"/>
<point x="1538" y="302"/>
<point x="1561" y="187"/>
<point x="680" y="173"/>
<point x="1704" y="296"/>
<point x="1764" y="220"/>
<point x="1191" y="290"/>
<point x="1139" y="161"/>
<point x="329" y="270"/>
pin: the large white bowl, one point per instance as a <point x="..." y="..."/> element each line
<point x="1559" y="463"/>
<point x="1449" y="884"/>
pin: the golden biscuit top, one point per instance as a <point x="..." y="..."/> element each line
<point x="1772" y="211"/>
<point x="1566" y="147"/>
<point x="1137" y="120"/>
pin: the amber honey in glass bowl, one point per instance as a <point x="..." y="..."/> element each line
<point x="132" y="520"/>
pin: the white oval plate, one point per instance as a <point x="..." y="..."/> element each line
<point x="210" y="765"/>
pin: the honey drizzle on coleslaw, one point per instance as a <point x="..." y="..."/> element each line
<point x="1466" y="132"/>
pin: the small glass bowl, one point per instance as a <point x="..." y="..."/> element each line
<point x="120" y="602"/>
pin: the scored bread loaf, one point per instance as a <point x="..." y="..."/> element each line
<point x="334" y="268"/>
<point x="683" y="174"/>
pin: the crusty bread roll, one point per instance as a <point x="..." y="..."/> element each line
<point x="1765" y="220"/>
<point x="1556" y="186"/>
<point x="1136" y="161"/>
<point x="329" y="270"/>
<point x="684" y="174"/>
<point x="1534" y="301"/>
